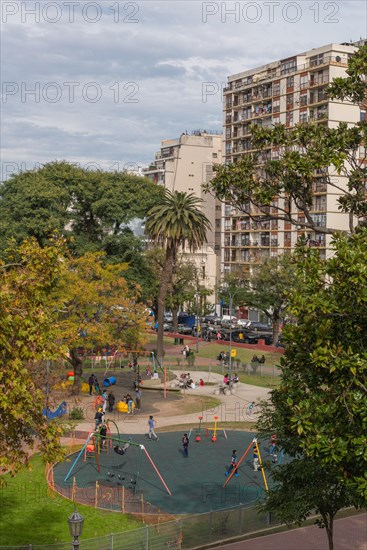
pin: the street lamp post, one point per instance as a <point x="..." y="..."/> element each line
<point x="75" y="522"/>
<point x="230" y="337"/>
<point x="197" y="322"/>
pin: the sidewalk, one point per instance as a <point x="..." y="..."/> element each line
<point x="349" y="534"/>
<point x="232" y="407"/>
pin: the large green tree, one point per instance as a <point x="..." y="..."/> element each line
<point x="96" y="307"/>
<point x="303" y="488"/>
<point x="174" y="222"/>
<point x="311" y="156"/>
<point x="28" y="338"/>
<point x="269" y="288"/>
<point x="89" y="208"/>
<point x="319" y="410"/>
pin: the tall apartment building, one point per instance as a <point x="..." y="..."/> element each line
<point x="289" y="91"/>
<point x="185" y="164"/>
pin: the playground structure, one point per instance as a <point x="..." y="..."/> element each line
<point x="60" y="411"/>
<point x="93" y="446"/>
<point x="128" y="482"/>
<point x="213" y="431"/>
<point x="254" y="443"/>
<point x="111" y="381"/>
<point x="198" y="430"/>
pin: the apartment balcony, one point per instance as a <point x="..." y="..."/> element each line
<point x="318" y="81"/>
<point x="287" y="243"/>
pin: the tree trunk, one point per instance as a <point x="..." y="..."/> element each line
<point x="275" y="328"/>
<point x="77" y="364"/>
<point x="166" y="277"/>
<point x="329" y="526"/>
<point x="174" y="319"/>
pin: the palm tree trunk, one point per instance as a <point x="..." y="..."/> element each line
<point x="166" y="277"/>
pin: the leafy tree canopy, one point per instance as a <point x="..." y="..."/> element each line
<point x="28" y="337"/>
<point x="89" y="208"/>
<point x="96" y="307"/>
<point x="320" y="408"/>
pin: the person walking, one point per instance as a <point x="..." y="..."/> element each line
<point x="138" y="398"/>
<point x="233" y="464"/>
<point x="91" y="384"/>
<point x="185" y="444"/>
<point x="152" y="424"/>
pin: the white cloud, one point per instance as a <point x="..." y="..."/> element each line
<point x="163" y="61"/>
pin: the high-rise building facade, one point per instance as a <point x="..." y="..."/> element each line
<point x="185" y="164"/>
<point x="289" y="91"/>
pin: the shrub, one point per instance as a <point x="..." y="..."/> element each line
<point x="77" y="413"/>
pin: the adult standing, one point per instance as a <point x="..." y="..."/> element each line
<point x="152" y="424"/>
<point x="111" y="401"/>
<point x="91" y="384"/>
<point x="185" y="444"/>
<point x="138" y="398"/>
<point x="256" y="458"/>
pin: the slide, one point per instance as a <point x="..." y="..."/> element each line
<point x="60" y="411"/>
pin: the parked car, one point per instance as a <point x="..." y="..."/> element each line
<point x="184" y="329"/>
<point x="245" y="323"/>
<point x="259" y="327"/>
<point x="212" y="319"/>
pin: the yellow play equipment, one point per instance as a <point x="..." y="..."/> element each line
<point x="122" y="406"/>
<point x="213" y="431"/>
<point x="254" y="443"/>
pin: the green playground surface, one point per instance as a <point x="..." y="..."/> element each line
<point x="196" y="482"/>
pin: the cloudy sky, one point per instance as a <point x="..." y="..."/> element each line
<point x="103" y="82"/>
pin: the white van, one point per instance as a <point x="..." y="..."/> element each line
<point x="228" y="319"/>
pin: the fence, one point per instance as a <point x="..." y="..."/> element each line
<point x="186" y="533"/>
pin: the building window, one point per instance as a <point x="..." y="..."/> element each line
<point x="289" y="66"/>
<point x="316" y="60"/>
<point x="276" y="88"/>
<point x="289" y="118"/>
<point x="215" y="155"/>
<point x="303" y="100"/>
<point x="303" y="81"/>
<point x="303" y="117"/>
<point x="290" y="81"/>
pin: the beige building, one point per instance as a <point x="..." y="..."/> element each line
<point x="185" y="164"/>
<point x="288" y="91"/>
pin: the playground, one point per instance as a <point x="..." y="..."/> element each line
<point x="155" y="475"/>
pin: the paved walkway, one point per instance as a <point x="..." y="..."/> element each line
<point x="349" y="534"/>
<point x="232" y="408"/>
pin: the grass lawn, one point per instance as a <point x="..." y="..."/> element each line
<point x="31" y="513"/>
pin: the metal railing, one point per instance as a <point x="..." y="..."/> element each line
<point x="185" y="533"/>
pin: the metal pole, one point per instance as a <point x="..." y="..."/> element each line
<point x="230" y="338"/>
<point x="197" y="323"/>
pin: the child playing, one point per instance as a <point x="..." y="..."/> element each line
<point x="233" y="464"/>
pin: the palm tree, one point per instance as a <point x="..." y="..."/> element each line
<point x="174" y="222"/>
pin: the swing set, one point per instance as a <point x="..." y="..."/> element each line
<point x="94" y="443"/>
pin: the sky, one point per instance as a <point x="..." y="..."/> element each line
<point x="102" y="83"/>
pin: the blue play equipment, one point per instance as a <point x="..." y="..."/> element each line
<point x="111" y="381"/>
<point x="60" y="411"/>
